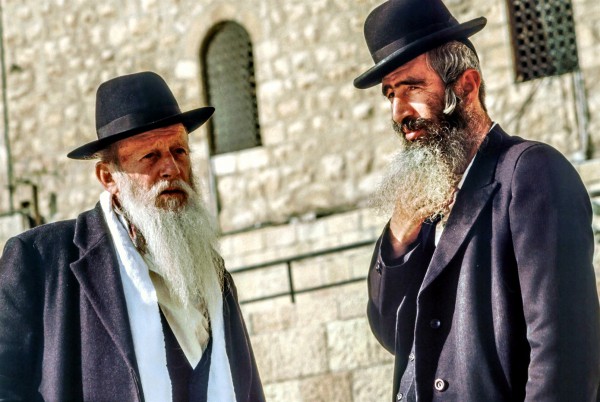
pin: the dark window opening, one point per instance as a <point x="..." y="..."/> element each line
<point x="231" y="89"/>
<point x="543" y="38"/>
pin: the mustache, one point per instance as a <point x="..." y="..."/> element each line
<point x="166" y="187"/>
<point x="410" y="123"/>
<point x="170" y="185"/>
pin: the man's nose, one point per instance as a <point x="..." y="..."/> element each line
<point x="400" y="109"/>
<point x="169" y="167"/>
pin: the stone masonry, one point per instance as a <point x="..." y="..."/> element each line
<point x="306" y="189"/>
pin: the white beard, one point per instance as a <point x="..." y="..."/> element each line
<point x="181" y="242"/>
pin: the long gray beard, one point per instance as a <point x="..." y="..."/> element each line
<point x="423" y="175"/>
<point x="181" y="241"/>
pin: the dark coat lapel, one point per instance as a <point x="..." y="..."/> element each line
<point x="477" y="190"/>
<point x="97" y="272"/>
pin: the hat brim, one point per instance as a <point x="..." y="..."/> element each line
<point x="191" y="120"/>
<point x="375" y="74"/>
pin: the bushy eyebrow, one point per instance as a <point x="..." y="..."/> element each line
<point x="407" y="81"/>
<point x="153" y="148"/>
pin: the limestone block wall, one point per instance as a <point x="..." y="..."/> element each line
<point x="325" y="143"/>
<point x="321" y="349"/>
<point x="318" y="348"/>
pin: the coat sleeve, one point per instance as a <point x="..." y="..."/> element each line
<point x="550" y="221"/>
<point x="392" y="285"/>
<point x="20" y="323"/>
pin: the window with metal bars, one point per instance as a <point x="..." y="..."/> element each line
<point x="231" y="89"/>
<point x="543" y="36"/>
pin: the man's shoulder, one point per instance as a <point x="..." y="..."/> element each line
<point x="44" y="243"/>
<point x="514" y="149"/>
<point x="55" y="234"/>
<point x="48" y="231"/>
<point x="537" y="164"/>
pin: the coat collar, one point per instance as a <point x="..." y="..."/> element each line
<point x="97" y="272"/>
<point x="474" y="195"/>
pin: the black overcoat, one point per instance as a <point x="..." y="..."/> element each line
<point x="505" y="308"/>
<point x="64" y="331"/>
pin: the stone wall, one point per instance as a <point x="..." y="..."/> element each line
<point x="325" y="144"/>
<point x="318" y="348"/>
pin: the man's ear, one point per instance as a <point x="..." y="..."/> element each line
<point x="468" y="85"/>
<point x="105" y="177"/>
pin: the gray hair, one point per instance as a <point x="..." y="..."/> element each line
<point x="449" y="61"/>
<point x="109" y="155"/>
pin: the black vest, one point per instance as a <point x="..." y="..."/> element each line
<point x="189" y="385"/>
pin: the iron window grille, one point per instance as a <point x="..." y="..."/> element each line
<point x="231" y="89"/>
<point x="543" y="37"/>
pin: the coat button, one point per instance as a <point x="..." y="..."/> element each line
<point x="411" y="357"/>
<point x="399" y="397"/>
<point x="440" y="385"/>
<point x="435" y="323"/>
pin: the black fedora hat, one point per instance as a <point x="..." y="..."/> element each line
<point x="133" y="104"/>
<point x="397" y="31"/>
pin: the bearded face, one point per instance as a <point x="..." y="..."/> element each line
<point x="424" y="173"/>
<point x="181" y="242"/>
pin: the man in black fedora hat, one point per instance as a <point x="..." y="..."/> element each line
<point x="130" y="301"/>
<point x="482" y="283"/>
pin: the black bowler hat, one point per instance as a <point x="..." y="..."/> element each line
<point x="133" y="104"/>
<point x="397" y="31"/>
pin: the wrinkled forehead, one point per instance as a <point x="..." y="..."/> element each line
<point x="418" y="65"/>
<point x="415" y="71"/>
<point x="175" y="134"/>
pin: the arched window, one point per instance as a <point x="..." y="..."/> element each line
<point x="231" y="89"/>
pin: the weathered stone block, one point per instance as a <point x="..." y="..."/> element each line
<point x="352" y="301"/>
<point x="291" y="354"/>
<point x="327" y="388"/>
<point x="312" y="231"/>
<point x="263" y="282"/>
<point x="373" y="384"/>
<point x="280" y="236"/>
<point x="308" y="273"/>
<point x="351" y="345"/>
<point x="308" y="312"/>
<point x="287" y="391"/>
<point x="224" y="164"/>
<point x="343" y="223"/>
<point x="246" y="242"/>
<point x="253" y="158"/>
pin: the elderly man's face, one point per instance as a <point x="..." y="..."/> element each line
<point x="415" y="91"/>
<point x="159" y="155"/>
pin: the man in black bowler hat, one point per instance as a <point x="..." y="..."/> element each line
<point x="482" y="283"/>
<point x="130" y="301"/>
